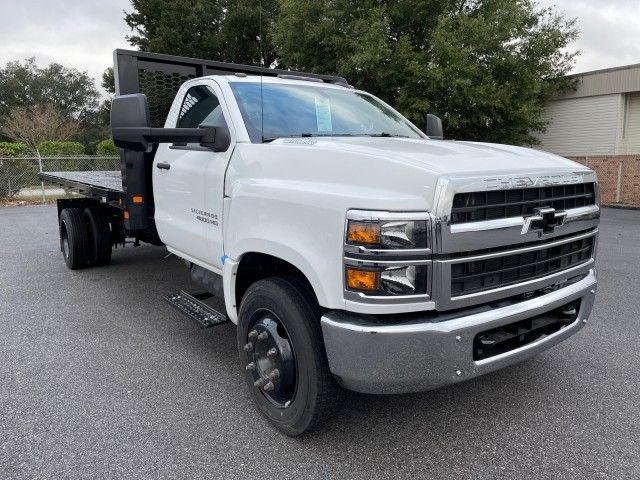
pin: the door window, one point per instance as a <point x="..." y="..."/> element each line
<point x="200" y="106"/>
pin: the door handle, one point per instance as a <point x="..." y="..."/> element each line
<point x="163" y="166"/>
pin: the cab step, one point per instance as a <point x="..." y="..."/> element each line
<point x="194" y="308"/>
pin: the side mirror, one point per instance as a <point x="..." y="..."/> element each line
<point x="129" y="113"/>
<point x="221" y="137"/>
<point x="131" y="128"/>
<point x="433" y="127"/>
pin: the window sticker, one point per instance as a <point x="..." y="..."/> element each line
<point x="323" y="114"/>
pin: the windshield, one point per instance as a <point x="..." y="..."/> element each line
<point x="301" y="110"/>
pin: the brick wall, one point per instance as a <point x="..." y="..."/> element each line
<point x="618" y="176"/>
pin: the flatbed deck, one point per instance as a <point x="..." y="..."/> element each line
<point x="103" y="185"/>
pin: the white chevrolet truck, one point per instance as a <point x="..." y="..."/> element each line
<point x="352" y="250"/>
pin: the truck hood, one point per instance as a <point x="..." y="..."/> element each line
<point x="379" y="173"/>
<point x="446" y="157"/>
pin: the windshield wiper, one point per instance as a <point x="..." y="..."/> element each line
<point x="307" y="135"/>
<point x="386" y="134"/>
<point x="271" y="139"/>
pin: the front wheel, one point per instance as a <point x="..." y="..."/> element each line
<point x="282" y="353"/>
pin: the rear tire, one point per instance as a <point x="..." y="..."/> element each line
<point x="304" y="394"/>
<point x="73" y="238"/>
<point x="99" y="237"/>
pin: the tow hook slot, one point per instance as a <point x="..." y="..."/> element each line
<point x="518" y="334"/>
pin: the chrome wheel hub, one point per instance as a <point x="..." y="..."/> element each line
<point x="271" y="360"/>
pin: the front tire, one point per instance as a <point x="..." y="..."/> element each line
<point x="279" y="331"/>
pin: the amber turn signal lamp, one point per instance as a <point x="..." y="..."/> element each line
<point x="361" y="233"/>
<point x="126" y="215"/>
<point x="137" y="199"/>
<point x="362" y="279"/>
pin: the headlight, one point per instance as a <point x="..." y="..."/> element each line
<point x="383" y="280"/>
<point x="386" y="254"/>
<point x="387" y="234"/>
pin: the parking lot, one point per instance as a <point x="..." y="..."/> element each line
<point x="100" y="378"/>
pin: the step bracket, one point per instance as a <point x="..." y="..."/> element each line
<point x="192" y="307"/>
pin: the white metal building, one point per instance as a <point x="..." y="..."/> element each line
<point x="602" y="117"/>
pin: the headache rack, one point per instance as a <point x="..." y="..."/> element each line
<point x="159" y="77"/>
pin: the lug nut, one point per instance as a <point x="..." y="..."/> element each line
<point x="272" y="353"/>
<point x="248" y="346"/>
<point x="275" y="374"/>
<point x="459" y="373"/>
<point x="260" y="383"/>
<point x="263" y="336"/>
<point x="268" y="387"/>
<point x="251" y="366"/>
<point x="253" y="334"/>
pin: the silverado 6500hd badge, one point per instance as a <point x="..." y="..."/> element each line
<point x="205" y="217"/>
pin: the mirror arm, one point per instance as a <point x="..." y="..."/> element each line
<point x="205" y="136"/>
<point x="162" y="135"/>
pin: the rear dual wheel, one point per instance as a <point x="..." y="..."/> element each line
<point x="74" y="241"/>
<point x="85" y="237"/>
<point x="280" y="345"/>
<point x="99" y="253"/>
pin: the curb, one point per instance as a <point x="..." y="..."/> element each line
<point x="621" y="206"/>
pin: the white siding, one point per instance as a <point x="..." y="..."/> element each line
<point x="631" y="140"/>
<point x="605" y="82"/>
<point x="583" y="126"/>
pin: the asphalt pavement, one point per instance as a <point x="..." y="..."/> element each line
<point x="99" y="378"/>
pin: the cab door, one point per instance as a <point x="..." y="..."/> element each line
<point x="188" y="182"/>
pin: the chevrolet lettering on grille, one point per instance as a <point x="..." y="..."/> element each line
<point x="544" y="221"/>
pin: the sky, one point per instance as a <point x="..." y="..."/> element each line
<point x="83" y="33"/>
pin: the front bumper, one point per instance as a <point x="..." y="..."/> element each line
<point x="370" y="356"/>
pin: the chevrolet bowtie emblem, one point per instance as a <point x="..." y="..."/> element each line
<point x="544" y="220"/>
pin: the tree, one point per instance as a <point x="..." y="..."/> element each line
<point x="106" y="147"/>
<point x="487" y="67"/>
<point x="36" y="124"/>
<point x="108" y="81"/>
<point x="25" y="84"/>
<point x="224" y="30"/>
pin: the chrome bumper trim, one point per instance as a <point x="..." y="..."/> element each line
<point x="369" y="356"/>
<point x="573" y="214"/>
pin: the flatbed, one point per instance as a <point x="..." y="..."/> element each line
<point x="102" y="185"/>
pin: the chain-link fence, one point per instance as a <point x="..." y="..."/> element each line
<point x="19" y="174"/>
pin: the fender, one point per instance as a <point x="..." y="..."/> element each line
<point x="275" y="249"/>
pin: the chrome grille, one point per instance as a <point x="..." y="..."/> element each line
<point x="490" y="205"/>
<point x="511" y="268"/>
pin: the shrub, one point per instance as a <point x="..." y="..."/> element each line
<point x="51" y="148"/>
<point x="106" y="147"/>
<point x="10" y="149"/>
<point x="16" y="173"/>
